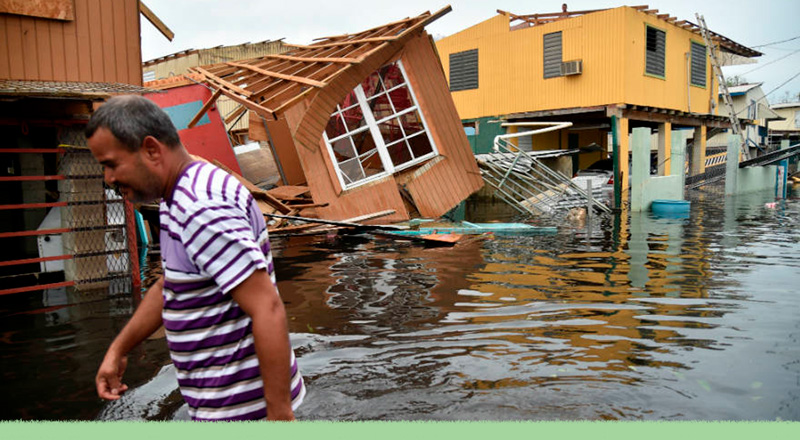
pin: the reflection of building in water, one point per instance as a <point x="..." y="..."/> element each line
<point x="603" y="308"/>
<point x="376" y="282"/>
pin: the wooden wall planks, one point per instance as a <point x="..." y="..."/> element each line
<point x="100" y="45"/>
<point x="451" y="180"/>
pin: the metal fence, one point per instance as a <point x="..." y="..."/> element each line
<point x="80" y="227"/>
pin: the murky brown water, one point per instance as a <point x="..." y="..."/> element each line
<point x="657" y="319"/>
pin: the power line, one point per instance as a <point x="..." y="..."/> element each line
<point x="776" y="42"/>
<point x="783" y="84"/>
<point x="771" y="91"/>
<point x="773" y="61"/>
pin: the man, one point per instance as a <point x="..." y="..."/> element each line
<point x="225" y="322"/>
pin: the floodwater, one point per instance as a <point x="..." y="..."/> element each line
<point x="633" y="318"/>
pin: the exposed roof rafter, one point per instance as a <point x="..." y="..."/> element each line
<point x="271" y="84"/>
<point x="544" y="18"/>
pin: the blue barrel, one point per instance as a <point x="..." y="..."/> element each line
<point x="670" y="207"/>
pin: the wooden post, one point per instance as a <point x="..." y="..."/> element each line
<point x="699" y="151"/>
<point x="664" y="148"/>
<point x="623" y="168"/>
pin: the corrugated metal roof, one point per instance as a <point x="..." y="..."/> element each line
<point x="786" y="105"/>
<point x="742" y="88"/>
<point x="62" y="89"/>
<point x="543" y="18"/>
<point x="183" y="53"/>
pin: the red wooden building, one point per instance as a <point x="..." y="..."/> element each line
<point x="365" y="120"/>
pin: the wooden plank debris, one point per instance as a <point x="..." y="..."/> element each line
<point x="351" y="222"/>
<point x="153" y="18"/>
<point x="259" y="194"/>
<point x="204" y="108"/>
<point x="287" y="192"/>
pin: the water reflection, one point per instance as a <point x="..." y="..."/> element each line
<point x="629" y="317"/>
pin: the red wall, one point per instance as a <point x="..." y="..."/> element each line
<point x="207" y="139"/>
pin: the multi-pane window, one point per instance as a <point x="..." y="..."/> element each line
<point x="655" y="53"/>
<point x="698" y="77"/>
<point x="464" y="70"/>
<point x="552" y="55"/>
<point x="377" y="129"/>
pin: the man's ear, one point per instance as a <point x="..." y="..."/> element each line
<point x="152" y="148"/>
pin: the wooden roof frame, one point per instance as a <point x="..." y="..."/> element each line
<point x="155" y="21"/>
<point x="271" y="84"/>
<point x="725" y="43"/>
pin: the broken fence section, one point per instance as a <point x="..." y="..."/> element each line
<point x="530" y="186"/>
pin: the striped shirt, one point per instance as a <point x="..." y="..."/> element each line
<point x="213" y="237"/>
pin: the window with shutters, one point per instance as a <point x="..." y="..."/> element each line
<point x="377" y="129"/>
<point x="655" y="53"/>
<point x="464" y="70"/>
<point x="698" y="64"/>
<point x="552" y="55"/>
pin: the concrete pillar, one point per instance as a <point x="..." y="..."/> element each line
<point x="699" y="151"/>
<point x="783" y="173"/>
<point x="678" y="155"/>
<point x="732" y="166"/>
<point x="664" y="148"/>
<point x="640" y="169"/>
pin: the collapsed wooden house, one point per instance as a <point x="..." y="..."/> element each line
<point x="365" y="120"/>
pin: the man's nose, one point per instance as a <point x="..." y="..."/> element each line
<point x="108" y="176"/>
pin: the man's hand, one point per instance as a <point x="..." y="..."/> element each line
<point x="145" y="320"/>
<point x="109" y="377"/>
<point x="281" y="413"/>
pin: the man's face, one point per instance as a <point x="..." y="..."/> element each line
<point x="129" y="171"/>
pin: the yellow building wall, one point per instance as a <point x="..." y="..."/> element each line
<point x="673" y="91"/>
<point x="789" y="122"/>
<point x="611" y="45"/>
<point x="173" y="67"/>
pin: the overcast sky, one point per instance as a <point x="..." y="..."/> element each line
<point x="207" y="23"/>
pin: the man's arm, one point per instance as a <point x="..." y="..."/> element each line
<point x="258" y="297"/>
<point x="145" y="320"/>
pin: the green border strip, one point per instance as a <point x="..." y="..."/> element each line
<point x="398" y="430"/>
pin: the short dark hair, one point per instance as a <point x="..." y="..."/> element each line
<point x="131" y="118"/>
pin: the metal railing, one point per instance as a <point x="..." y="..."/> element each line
<point x="520" y="179"/>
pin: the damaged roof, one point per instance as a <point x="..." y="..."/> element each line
<point x="726" y="44"/>
<point x="271" y="84"/>
<point x="65" y="89"/>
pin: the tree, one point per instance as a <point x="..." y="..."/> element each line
<point x="788" y="97"/>
<point x="735" y="80"/>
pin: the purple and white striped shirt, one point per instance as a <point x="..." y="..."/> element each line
<point x="213" y="237"/>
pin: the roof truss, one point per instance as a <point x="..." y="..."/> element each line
<point x="544" y="18"/>
<point x="272" y="83"/>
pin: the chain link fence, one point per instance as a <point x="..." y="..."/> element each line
<point x="97" y="217"/>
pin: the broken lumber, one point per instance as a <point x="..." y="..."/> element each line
<point x="257" y="192"/>
<point x="351" y="222"/>
<point x="288" y="192"/>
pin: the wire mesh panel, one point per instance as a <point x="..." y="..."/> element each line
<point x="95" y="215"/>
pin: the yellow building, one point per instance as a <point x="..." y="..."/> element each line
<point x="627" y="67"/>
<point x="789" y="126"/>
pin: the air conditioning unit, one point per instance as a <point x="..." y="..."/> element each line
<point x="574" y="67"/>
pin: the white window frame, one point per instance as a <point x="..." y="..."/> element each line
<point x="373" y="127"/>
